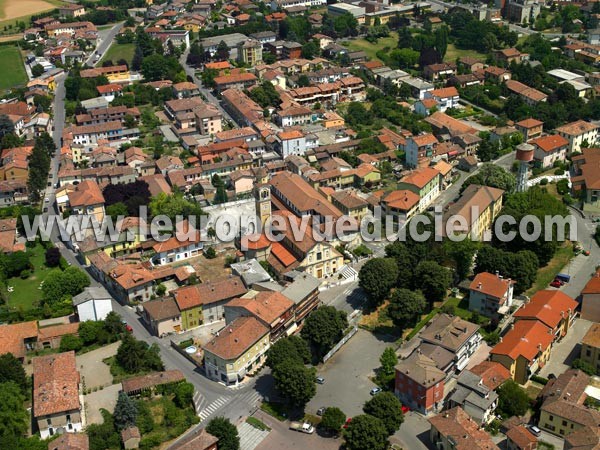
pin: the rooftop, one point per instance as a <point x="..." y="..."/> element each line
<point x="236" y="338"/>
<point x="457" y="425"/>
<point x="448" y="331"/>
<point x="55" y="384"/>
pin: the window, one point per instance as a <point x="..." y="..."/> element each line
<point x="564" y="423"/>
<point x="551" y="418"/>
<point x="49" y="422"/>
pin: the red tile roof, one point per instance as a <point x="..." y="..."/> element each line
<point x="524" y="339"/>
<point x="55" y="384"/>
<point x="593" y="285"/>
<point x="492" y="373"/>
<point x="266" y="306"/>
<point x="236" y="338"/>
<point x="548" y="307"/>
<point x="420" y="177"/>
<point x="550" y="143"/>
<point x="490" y="284"/>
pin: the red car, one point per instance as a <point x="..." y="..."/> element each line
<point x="348" y="420"/>
<point x="129" y="329"/>
<point x="556" y="284"/>
<point x="405" y="409"/>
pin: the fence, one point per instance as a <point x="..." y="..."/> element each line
<point x="337" y="346"/>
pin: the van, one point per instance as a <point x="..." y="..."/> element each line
<point x="535" y="430"/>
<point x="564" y="277"/>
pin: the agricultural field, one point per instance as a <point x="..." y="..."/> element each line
<point x="22" y="10"/>
<point x="13" y="70"/>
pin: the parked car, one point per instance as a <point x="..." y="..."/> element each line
<point x="564" y="277"/>
<point x="534" y="430"/>
<point x="348" y="420"/>
<point x="320" y="380"/>
<point x="128" y="328"/>
<point x="556" y="284"/>
<point x="321" y="411"/>
<point x="303" y="427"/>
<point x="375" y="391"/>
<point x="405" y="409"/>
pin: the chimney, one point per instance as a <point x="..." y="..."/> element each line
<point x="539" y="347"/>
<point x="479" y="285"/>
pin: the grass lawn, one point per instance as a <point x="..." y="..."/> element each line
<point x="26" y="292"/>
<point x="452" y="53"/>
<point x="461" y="307"/>
<point x="119" y="51"/>
<point x="13" y="71"/>
<point x="276" y="410"/>
<point x="357" y="45"/>
<point x="546" y="274"/>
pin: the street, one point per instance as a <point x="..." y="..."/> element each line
<point x="105" y="40"/>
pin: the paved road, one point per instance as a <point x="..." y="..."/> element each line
<point x="105" y="40"/>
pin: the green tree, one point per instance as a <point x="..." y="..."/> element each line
<point x="116" y="210"/>
<point x="406" y="307"/>
<point x="6" y="125"/>
<point x="289" y="348"/>
<point x="494" y="176"/>
<point x="441" y="40"/>
<point x="39" y="164"/>
<point x="59" y="284"/>
<point x="404" y="262"/>
<point x="434" y="280"/>
<point x="37" y="70"/>
<point x="136" y="356"/>
<point x="310" y="50"/>
<point x="388" y="361"/>
<point x="295" y="382"/>
<point x="13" y="417"/>
<point x="366" y="432"/>
<point x="184" y="394"/>
<point x="104" y="436"/>
<point x="113" y="324"/>
<point x="226" y="432"/>
<point x="70" y="342"/>
<point x="463" y="254"/>
<point x="11" y="370"/>
<point x="89" y="331"/>
<point x="220" y="195"/>
<point x="333" y="419"/>
<point x="126" y="412"/>
<point x="386" y="407"/>
<point x="323" y="328"/>
<point x="357" y="114"/>
<point x="512" y="399"/>
<point x="52" y="257"/>
<point x="377" y="277"/>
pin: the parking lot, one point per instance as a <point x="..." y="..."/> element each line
<point x="347" y="373"/>
<point x="94" y="372"/>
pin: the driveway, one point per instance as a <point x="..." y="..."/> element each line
<point x="347" y="373"/>
<point x="564" y="352"/>
<point x="94" y="373"/>
<point x="413" y="433"/>
<point x="106" y="398"/>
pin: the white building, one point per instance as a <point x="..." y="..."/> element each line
<point x="291" y="143"/>
<point x="577" y="133"/>
<point x="94" y="303"/>
<point x="446" y="98"/>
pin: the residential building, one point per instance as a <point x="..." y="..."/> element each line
<point x="206" y="301"/>
<point x="555" y="309"/>
<point x="454" y="334"/>
<point x="491" y="295"/>
<point x="196" y="440"/>
<point x="586" y="183"/>
<point x="18" y="338"/>
<point x="530" y="128"/>
<point x="186" y="89"/>
<point x="291" y="142"/>
<point x="520" y="438"/>
<point x="418" y="87"/>
<point x="578" y="133"/>
<point x="115" y="74"/>
<point x="419" y="383"/>
<point x="562" y="411"/>
<point x="420" y="148"/>
<point x="273" y="309"/>
<point x="250" y="52"/>
<point x="528" y="94"/>
<point x="443" y="124"/>
<point x="436" y="72"/>
<point x="550" y="149"/>
<point x="590" y="299"/>
<point x="174" y="250"/>
<point x="131" y="437"/>
<point x="492" y="374"/>
<point x="446" y="98"/>
<point x="474" y="397"/>
<point x="57" y="404"/>
<point x="474" y="212"/>
<point x="590" y="347"/>
<point x="509" y="55"/>
<point x="425" y="182"/>
<point x="163" y="316"/>
<point x="71" y="10"/>
<point x="85" y="198"/>
<point x="350" y="204"/>
<point x="237" y="81"/>
<point x="455" y="430"/>
<point x="524" y="349"/>
<point x="70" y="441"/>
<point x="236" y="351"/>
<point x="91" y="134"/>
<point x="402" y="204"/>
<point x="94" y="303"/>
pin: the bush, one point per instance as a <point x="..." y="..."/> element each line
<point x="70" y="342"/>
<point x="25" y="274"/>
<point x="544" y="182"/>
<point x="559" y="172"/>
<point x="562" y="186"/>
<point x="210" y="253"/>
<point x="538" y="379"/>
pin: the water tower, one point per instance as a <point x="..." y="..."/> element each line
<point x="524" y="156"/>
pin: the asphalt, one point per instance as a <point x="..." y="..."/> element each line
<point x="105" y="40"/>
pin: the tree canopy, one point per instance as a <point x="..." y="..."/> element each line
<point x="323" y="328"/>
<point x="377" y="276"/>
<point x="289" y="348"/>
<point x="406" y="307"/>
<point x="295" y="382"/>
<point x="512" y="399"/>
<point x="366" y="431"/>
<point x="386" y="407"/>
<point x="226" y="432"/>
<point x="136" y="356"/>
<point x="494" y="176"/>
<point x="333" y="419"/>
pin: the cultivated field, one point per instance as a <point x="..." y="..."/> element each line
<point x="12" y="9"/>
<point x="12" y="71"/>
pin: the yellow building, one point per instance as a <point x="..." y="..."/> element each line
<point x="524" y="349"/>
<point x="190" y="306"/>
<point x="237" y="350"/>
<point x="474" y="212"/>
<point x="590" y="346"/>
<point x="563" y="411"/>
<point x="350" y="204"/>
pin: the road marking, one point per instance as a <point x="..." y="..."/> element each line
<point x="213" y="407"/>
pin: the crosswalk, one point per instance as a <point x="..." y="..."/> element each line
<point x="250" y="398"/>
